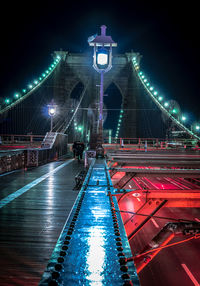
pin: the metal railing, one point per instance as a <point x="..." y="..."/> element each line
<point x="13" y="159"/>
<point x="20" y="140"/>
<point x="154" y="143"/>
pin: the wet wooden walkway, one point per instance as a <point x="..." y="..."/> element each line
<point x="34" y="206"/>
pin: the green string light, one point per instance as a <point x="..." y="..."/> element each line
<point x="119" y="123"/>
<point x="16" y="95"/>
<point x="7" y="100"/>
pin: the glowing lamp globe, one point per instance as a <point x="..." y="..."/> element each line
<point x="102" y="59"/>
<point x="52" y="111"/>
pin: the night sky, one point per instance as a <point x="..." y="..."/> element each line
<point x="166" y="35"/>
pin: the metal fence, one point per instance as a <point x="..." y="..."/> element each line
<point x="31" y="157"/>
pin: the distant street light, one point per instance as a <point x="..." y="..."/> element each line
<point x="102" y="63"/>
<point x="52" y="112"/>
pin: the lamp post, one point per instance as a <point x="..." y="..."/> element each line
<point x="52" y="112"/>
<point x="102" y="63"/>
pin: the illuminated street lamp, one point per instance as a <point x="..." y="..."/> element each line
<point x="102" y="63"/>
<point x="52" y="112"/>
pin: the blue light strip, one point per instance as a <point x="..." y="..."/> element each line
<point x="93" y="242"/>
<point x="29" y="186"/>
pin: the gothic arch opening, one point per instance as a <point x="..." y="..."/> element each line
<point x="75" y="96"/>
<point x="75" y="112"/>
<point x="77" y="90"/>
<point x="112" y="102"/>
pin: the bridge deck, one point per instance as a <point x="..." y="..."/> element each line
<point x="93" y="243"/>
<point x="34" y="205"/>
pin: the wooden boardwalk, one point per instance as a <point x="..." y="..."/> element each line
<point x="34" y="206"/>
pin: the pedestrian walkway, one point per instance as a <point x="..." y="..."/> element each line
<point x="34" y="206"/>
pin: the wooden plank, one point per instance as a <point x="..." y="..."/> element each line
<point x="31" y="224"/>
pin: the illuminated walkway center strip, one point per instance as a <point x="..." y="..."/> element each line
<point x="26" y="188"/>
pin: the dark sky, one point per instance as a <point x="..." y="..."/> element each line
<point x="166" y="35"/>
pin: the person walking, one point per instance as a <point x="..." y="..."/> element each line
<point x="80" y="148"/>
<point x="74" y="149"/>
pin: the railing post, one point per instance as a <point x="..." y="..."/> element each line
<point x="145" y="146"/>
<point x="32" y="158"/>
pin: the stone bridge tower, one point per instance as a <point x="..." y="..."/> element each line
<point x="77" y="70"/>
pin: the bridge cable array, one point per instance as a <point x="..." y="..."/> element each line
<point x="66" y="124"/>
<point x="10" y="103"/>
<point x="170" y="111"/>
<point x="20" y="96"/>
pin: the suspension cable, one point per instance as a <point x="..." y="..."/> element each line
<point x="34" y="86"/>
<point x="156" y="101"/>
<point x="64" y="125"/>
